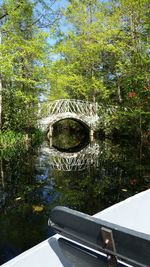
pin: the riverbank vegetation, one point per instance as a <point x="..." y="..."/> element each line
<point x="90" y="50"/>
<point x="15" y="142"/>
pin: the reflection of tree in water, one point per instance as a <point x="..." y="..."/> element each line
<point x="32" y="188"/>
<point x="22" y="225"/>
<point x="120" y="172"/>
<point x="68" y="134"/>
<point x="119" y="176"/>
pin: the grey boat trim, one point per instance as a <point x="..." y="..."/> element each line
<point x="117" y="242"/>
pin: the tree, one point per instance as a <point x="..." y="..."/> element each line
<point x="77" y="71"/>
<point x="103" y="51"/>
<point x="132" y="66"/>
<point x="24" y="60"/>
<point x="0" y="89"/>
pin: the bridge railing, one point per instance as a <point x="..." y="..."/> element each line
<point x="68" y="105"/>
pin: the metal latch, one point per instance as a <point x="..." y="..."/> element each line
<point x="109" y="244"/>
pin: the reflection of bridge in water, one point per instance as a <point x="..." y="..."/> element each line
<point x="76" y="161"/>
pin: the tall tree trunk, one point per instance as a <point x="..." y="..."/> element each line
<point x="0" y="90"/>
<point x="0" y="103"/>
<point x="2" y="173"/>
<point x="119" y="91"/>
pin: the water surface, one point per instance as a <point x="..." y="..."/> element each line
<point x="89" y="177"/>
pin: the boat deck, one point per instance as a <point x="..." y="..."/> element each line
<point x="132" y="213"/>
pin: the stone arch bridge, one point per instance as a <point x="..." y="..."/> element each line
<point x="84" y="112"/>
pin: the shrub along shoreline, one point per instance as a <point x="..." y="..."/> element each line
<point x="12" y="141"/>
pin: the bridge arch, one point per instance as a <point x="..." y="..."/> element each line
<point x="71" y="118"/>
<point x="82" y="111"/>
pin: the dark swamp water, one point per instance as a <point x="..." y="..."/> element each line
<point x="66" y="171"/>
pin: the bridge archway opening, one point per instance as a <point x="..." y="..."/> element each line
<point x="70" y="135"/>
<point x="67" y="120"/>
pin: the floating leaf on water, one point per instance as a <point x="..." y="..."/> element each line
<point x="18" y="198"/>
<point x="124" y="190"/>
<point x="37" y="208"/>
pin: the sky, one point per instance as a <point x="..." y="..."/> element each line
<point x="57" y="5"/>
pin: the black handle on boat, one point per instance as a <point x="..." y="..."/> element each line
<point x="131" y="246"/>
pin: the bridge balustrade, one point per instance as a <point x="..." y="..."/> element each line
<point x="68" y="106"/>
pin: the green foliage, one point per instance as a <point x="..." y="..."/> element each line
<point x="23" y="56"/>
<point x="124" y="121"/>
<point x="10" y="143"/>
<point x="14" y="143"/>
<point x="76" y="72"/>
<point x="37" y="137"/>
